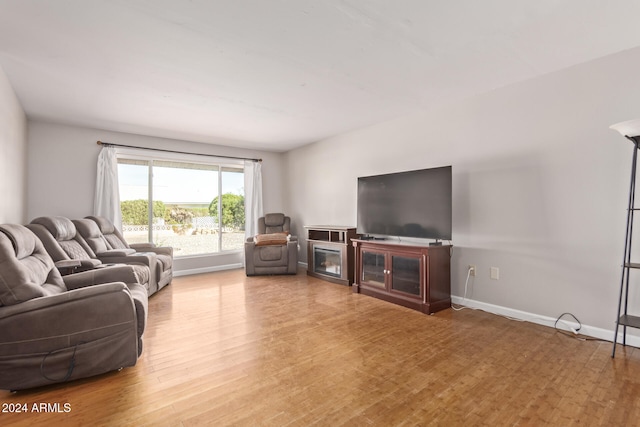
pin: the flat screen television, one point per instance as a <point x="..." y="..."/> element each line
<point x="406" y="204"/>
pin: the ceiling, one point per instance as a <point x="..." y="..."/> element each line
<point x="277" y="74"/>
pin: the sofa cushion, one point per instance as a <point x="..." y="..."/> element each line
<point x="104" y="224"/>
<point x="274" y="219"/>
<point x="26" y="271"/>
<point x="91" y="233"/>
<point x="108" y="229"/>
<point x="60" y="227"/>
<point x="115" y="242"/>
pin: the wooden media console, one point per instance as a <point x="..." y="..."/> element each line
<point x="418" y="277"/>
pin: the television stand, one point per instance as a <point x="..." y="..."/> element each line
<point x="414" y="276"/>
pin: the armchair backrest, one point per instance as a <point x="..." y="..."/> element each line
<point x="274" y="223"/>
<point x="114" y="238"/>
<point x="60" y="238"/>
<point x="26" y="269"/>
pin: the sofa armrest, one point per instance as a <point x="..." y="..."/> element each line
<point x="72" y="318"/>
<point x="62" y="306"/>
<point x="87" y="303"/>
<point x="68" y="263"/>
<point x="141" y="300"/>
<point x="80" y="264"/>
<point x="148" y="258"/>
<point x="142" y="246"/>
<point x="150" y="247"/>
<point x="249" y="249"/>
<point x="68" y="266"/>
<point x="115" y="253"/>
<point x="293" y="245"/>
<point x="106" y="274"/>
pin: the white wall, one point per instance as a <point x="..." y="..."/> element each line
<point x="540" y="185"/>
<point x="13" y="155"/>
<point x="62" y="174"/>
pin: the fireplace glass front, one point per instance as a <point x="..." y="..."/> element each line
<point x="327" y="261"/>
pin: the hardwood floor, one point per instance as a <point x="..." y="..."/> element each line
<point x="223" y="349"/>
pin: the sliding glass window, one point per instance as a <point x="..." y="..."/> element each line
<point x="197" y="208"/>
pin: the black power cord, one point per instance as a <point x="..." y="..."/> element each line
<point x="72" y="364"/>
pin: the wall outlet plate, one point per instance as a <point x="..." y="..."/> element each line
<point x="495" y="273"/>
<point x="472" y="270"/>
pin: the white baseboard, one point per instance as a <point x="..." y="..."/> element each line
<point x="565" y="323"/>
<point x="217" y="268"/>
<point x="207" y="269"/>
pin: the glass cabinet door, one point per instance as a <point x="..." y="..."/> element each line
<point x="405" y="275"/>
<point x="373" y="268"/>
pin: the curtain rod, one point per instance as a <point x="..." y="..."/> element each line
<point x="109" y="144"/>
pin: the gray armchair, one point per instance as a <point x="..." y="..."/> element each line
<point x="63" y="243"/>
<point x="273" y="250"/>
<point x="106" y="241"/>
<point x="56" y="329"/>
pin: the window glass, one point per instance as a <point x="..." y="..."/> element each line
<point x="184" y="199"/>
<point x="133" y="179"/>
<point x="232" y="209"/>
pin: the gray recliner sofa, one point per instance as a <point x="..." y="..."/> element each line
<point x="105" y="239"/>
<point x="273" y="250"/>
<point x="56" y="329"/>
<point x="62" y="241"/>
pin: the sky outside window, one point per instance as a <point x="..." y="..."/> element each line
<point x="174" y="185"/>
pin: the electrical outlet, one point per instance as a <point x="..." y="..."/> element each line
<point x="495" y="273"/>
<point x="472" y="270"/>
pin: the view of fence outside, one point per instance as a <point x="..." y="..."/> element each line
<point x="185" y="240"/>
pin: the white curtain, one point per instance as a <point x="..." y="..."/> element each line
<point x="107" y="197"/>
<point x="252" y="196"/>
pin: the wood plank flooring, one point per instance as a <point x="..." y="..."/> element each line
<point x="223" y="349"/>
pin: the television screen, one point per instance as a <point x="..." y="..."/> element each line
<point x="406" y="204"/>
